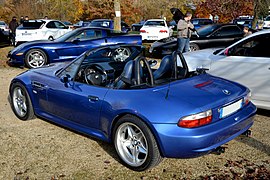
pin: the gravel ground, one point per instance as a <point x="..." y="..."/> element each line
<point x="38" y="149"/>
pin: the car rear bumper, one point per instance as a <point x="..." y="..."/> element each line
<point x="176" y="142"/>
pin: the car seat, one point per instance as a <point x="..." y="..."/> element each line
<point x="165" y="68"/>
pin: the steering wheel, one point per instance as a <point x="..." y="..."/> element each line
<point x="121" y="54"/>
<point x="95" y="75"/>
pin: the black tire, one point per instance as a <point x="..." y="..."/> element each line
<point x="20" y="102"/>
<point x="35" y="58"/>
<point x="194" y="47"/>
<point x="143" y="142"/>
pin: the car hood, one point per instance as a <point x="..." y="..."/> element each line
<point x="204" y="91"/>
<point x="199" y="59"/>
<point x="30" y="44"/>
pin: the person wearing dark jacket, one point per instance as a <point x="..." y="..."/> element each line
<point x="12" y="26"/>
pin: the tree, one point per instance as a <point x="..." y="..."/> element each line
<point x="260" y="10"/>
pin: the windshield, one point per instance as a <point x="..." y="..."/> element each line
<point x="206" y="30"/>
<point x="66" y="36"/>
<point x="105" y="24"/>
<point x="2" y="23"/>
<point x="267" y="18"/>
<point x="154" y="23"/>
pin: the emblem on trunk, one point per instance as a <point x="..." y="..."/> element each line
<point x="225" y="91"/>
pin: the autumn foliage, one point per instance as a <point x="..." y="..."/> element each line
<point x="226" y="10"/>
<point x="131" y="10"/>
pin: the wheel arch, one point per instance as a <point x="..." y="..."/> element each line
<point x="147" y="123"/>
<point x="40" y="48"/>
<point x="30" y="93"/>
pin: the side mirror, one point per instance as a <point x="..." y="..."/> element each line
<point x="152" y="62"/>
<point x="66" y="79"/>
<point x="228" y="52"/>
<point x="75" y="41"/>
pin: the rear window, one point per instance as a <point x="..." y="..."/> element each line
<point x="31" y="25"/>
<point x="154" y="23"/>
<point x="105" y="24"/>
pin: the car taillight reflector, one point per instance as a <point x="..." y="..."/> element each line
<point x="163" y="31"/>
<point x="247" y="98"/>
<point x="143" y="31"/>
<point x="196" y="120"/>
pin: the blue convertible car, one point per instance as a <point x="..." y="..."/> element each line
<point x="68" y="47"/>
<point x="146" y="113"/>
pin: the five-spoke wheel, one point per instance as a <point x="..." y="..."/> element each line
<point x="35" y="58"/>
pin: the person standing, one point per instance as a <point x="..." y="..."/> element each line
<point x="12" y="26"/>
<point x="184" y="28"/>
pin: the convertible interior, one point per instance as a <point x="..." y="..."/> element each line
<point x="132" y="72"/>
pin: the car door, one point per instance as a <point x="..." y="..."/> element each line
<point x="75" y="101"/>
<point x="225" y="36"/>
<point x="54" y="29"/>
<point x="248" y="63"/>
<point x="82" y="41"/>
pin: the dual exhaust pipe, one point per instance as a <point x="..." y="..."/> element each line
<point x="219" y="150"/>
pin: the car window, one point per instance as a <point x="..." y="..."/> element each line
<point x="31" y="24"/>
<point x="228" y="31"/>
<point x="59" y="25"/>
<point x="51" y="25"/>
<point x="72" y="69"/>
<point x="253" y="47"/>
<point x="154" y="23"/>
<point x="208" y="29"/>
<point x="105" y="24"/>
<point x="267" y="18"/>
<point x="87" y="35"/>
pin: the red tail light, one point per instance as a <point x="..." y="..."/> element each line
<point x="196" y="120"/>
<point x="163" y="31"/>
<point x="247" y="98"/>
<point x="143" y="31"/>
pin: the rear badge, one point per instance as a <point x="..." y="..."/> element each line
<point x="225" y="91"/>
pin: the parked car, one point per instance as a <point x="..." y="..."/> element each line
<point x="266" y="24"/>
<point x="246" y="61"/>
<point x="197" y="22"/>
<point x="40" y="30"/>
<point x="155" y="29"/>
<point x="81" y="24"/>
<point x="244" y="22"/>
<point x="200" y="22"/>
<point x="108" y="23"/>
<point x="137" y="26"/>
<point x="213" y="35"/>
<point x="4" y="27"/>
<point x="146" y="114"/>
<point x="67" y="47"/>
<point x="4" y="39"/>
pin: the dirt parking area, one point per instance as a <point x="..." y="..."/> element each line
<point x="38" y="149"/>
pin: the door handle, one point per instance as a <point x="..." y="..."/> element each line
<point x="93" y="98"/>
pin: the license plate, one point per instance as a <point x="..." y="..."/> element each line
<point x="230" y="109"/>
<point x="152" y="37"/>
<point x="26" y="34"/>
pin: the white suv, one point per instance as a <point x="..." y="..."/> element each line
<point x="40" y="30"/>
<point x="155" y="29"/>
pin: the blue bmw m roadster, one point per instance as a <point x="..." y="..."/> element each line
<point x="147" y="113"/>
<point x="35" y="54"/>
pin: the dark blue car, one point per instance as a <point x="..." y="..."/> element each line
<point x="146" y="113"/>
<point x="68" y="47"/>
<point x="108" y="23"/>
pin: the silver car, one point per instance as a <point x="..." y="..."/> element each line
<point x="246" y="61"/>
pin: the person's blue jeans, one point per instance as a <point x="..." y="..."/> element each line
<point x="183" y="44"/>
